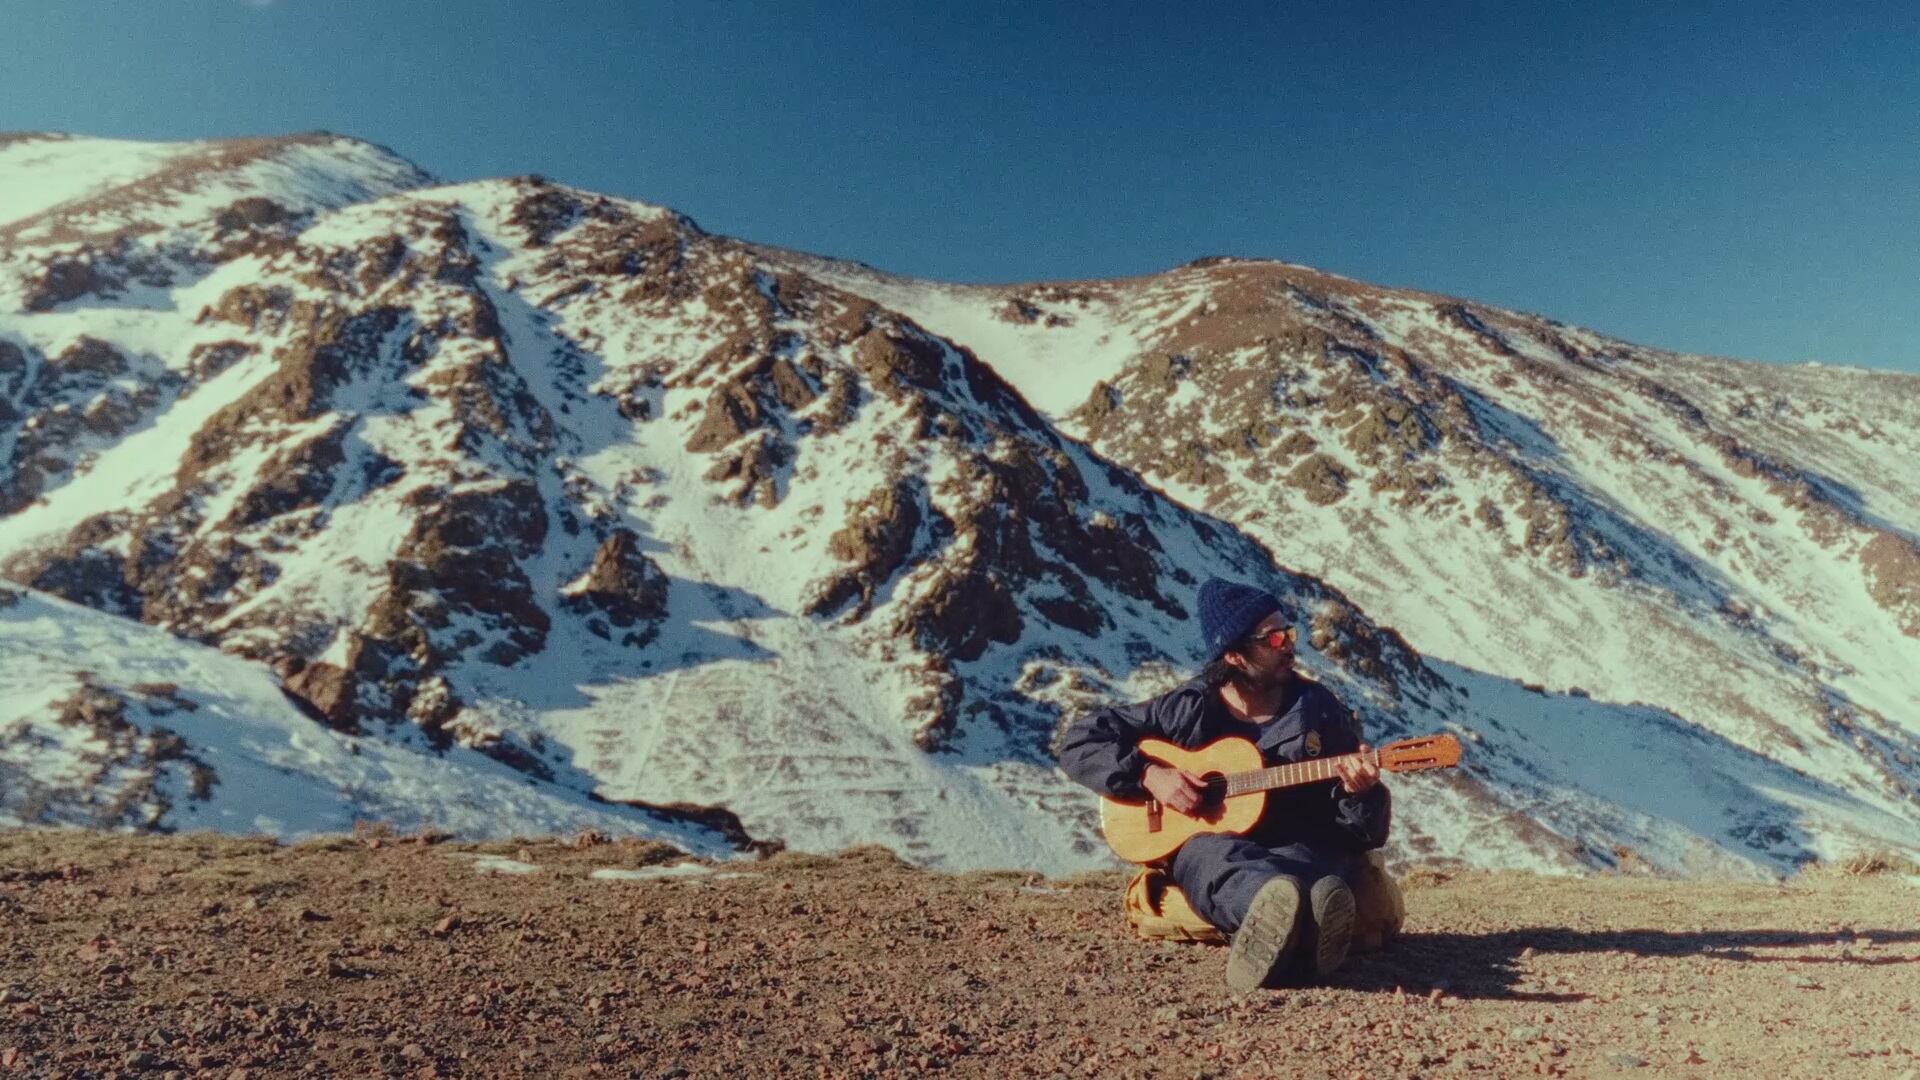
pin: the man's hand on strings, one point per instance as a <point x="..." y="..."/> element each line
<point x="1175" y="788"/>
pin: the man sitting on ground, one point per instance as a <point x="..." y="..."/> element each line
<point x="1281" y="890"/>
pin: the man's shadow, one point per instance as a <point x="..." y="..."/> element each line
<point x="1492" y="965"/>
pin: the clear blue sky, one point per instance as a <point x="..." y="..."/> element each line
<point x="1742" y="180"/>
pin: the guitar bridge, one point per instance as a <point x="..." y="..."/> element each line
<point x="1153" y="815"/>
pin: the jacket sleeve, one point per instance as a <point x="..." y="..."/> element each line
<point x="1100" y="749"/>
<point x="1363" y="819"/>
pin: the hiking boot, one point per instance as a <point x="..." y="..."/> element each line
<point x="1260" y="947"/>
<point x="1333" y="911"/>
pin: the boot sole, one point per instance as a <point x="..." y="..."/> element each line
<point x="1334" y="915"/>
<point x="1266" y="934"/>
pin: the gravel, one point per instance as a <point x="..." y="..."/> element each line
<point x="199" y="956"/>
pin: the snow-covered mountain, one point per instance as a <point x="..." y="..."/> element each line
<point x="663" y="518"/>
<point x="110" y="722"/>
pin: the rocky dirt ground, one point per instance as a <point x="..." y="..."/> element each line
<point x="385" y="956"/>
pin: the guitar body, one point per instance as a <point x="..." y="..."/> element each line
<point x="1146" y="831"/>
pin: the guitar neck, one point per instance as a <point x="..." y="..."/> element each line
<point x="1312" y="770"/>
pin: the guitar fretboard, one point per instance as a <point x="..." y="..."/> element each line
<point x="1292" y="775"/>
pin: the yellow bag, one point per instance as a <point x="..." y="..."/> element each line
<point x="1379" y="908"/>
<point x="1158" y="910"/>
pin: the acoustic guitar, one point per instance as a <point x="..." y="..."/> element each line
<point x="1237" y="789"/>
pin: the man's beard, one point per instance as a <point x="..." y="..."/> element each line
<point x="1271" y="679"/>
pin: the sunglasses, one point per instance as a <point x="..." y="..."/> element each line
<point x="1274" y="639"/>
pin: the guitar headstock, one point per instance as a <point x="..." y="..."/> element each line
<point x="1424" y="752"/>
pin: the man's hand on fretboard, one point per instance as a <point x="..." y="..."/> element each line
<point x="1358" y="772"/>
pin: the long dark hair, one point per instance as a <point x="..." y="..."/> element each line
<point x="1217" y="672"/>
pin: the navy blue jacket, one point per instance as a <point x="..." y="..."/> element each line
<point x="1099" y="750"/>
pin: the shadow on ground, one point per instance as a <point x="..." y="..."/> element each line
<point x="1494" y="965"/>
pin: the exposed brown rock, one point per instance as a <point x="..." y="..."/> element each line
<point x="651" y="255"/>
<point x="379" y="259"/>
<point x="1102" y="401"/>
<point x="625" y="588"/>
<point x="308" y="370"/>
<point x="462" y="555"/>
<point x="1488" y="514"/>
<point x="252" y="225"/>
<point x="718" y="818"/>
<point x="324" y="691"/>
<point x="1340" y="632"/>
<point x="1121" y="552"/>
<point x="970" y="603"/>
<point x="997" y="396"/>
<point x="894" y="362"/>
<point x="210" y="358"/>
<point x="1075" y="612"/>
<point x="843" y="318"/>
<point x="1470" y="321"/>
<point x="935" y="712"/>
<point x="65" y="279"/>
<point x="769" y="384"/>
<point x="10" y="139"/>
<point x="1891" y="564"/>
<point x="191" y="582"/>
<point x="433" y="704"/>
<point x="13" y="367"/>
<point x="873" y="545"/>
<point x="296" y="477"/>
<point x="1551" y="529"/>
<point x="1297" y="442"/>
<point x="1389" y="429"/>
<point x="87" y="393"/>
<point x="1322" y="479"/>
<point x="841" y="403"/>
<point x="790" y="388"/>
<point x="731" y="411"/>
<point x="256" y="307"/>
<point x="963" y="610"/>
<point x="88" y="361"/>
<point x="124" y="766"/>
<point x="543" y="210"/>
<point x="252" y="212"/>
<point x="77" y="572"/>
<point x="754" y="470"/>
<point x="502" y="747"/>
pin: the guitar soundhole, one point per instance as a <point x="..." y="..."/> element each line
<point x="1215" y="806"/>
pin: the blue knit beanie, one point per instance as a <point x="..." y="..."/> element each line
<point x="1229" y="610"/>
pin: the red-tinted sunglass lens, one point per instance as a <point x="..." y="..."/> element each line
<point x="1276" y="638"/>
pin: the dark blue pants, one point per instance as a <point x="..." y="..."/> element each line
<point x="1221" y="872"/>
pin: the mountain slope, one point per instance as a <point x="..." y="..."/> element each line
<point x="110" y="723"/>
<point x="661" y="517"/>
<point x="1733" y="543"/>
